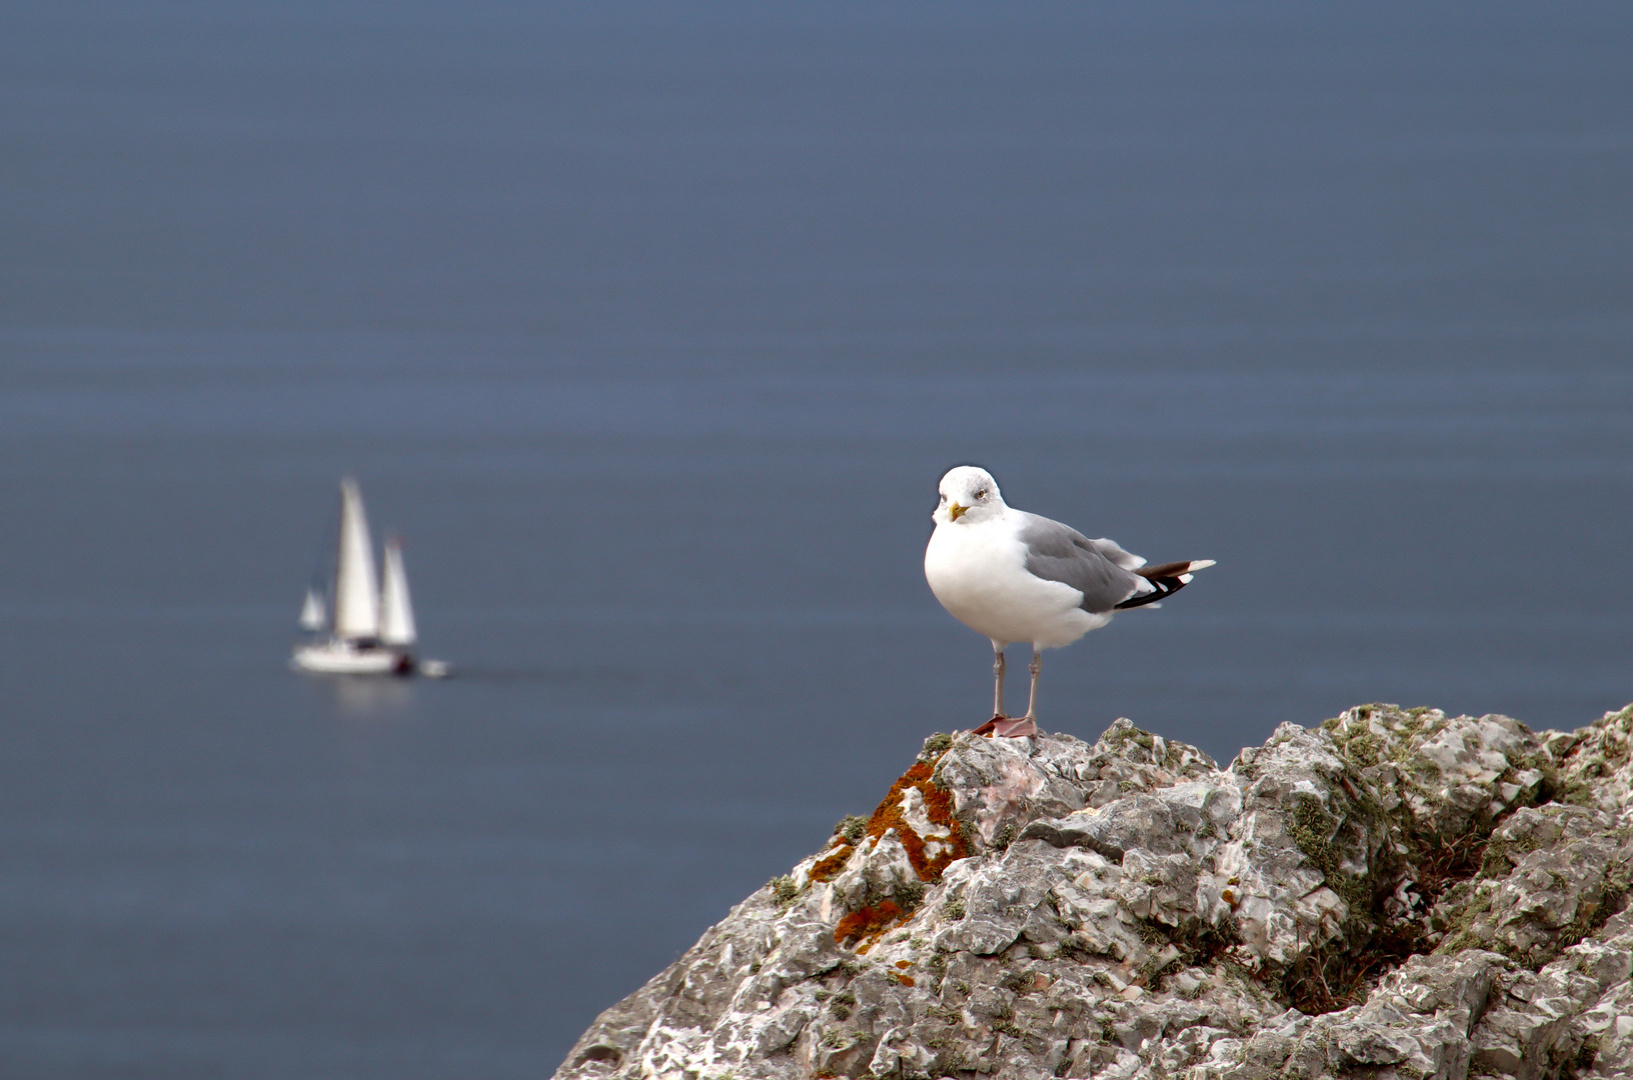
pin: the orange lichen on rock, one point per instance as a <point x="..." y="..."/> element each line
<point x="829" y="868"/>
<point x="905" y="980"/>
<point x="938" y="808"/>
<point x="904" y="963"/>
<point x="868" y="924"/>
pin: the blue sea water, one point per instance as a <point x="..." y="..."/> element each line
<point x="651" y="328"/>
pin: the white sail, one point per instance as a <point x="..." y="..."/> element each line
<point x="314" y="613"/>
<point x="396" y="610"/>
<point x="357" y="604"/>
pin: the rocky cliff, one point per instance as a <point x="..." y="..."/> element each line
<point x="1396" y="893"/>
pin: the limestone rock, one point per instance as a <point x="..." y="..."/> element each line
<point x="1550" y="875"/>
<point x="1396" y="893"/>
<point x="1593" y="762"/>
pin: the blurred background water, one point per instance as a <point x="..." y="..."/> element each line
<point x="652" y="328"/>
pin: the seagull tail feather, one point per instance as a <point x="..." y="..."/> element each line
<point x="1168" y="578"/>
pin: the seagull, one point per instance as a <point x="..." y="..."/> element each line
<point x="1014" y="576"/>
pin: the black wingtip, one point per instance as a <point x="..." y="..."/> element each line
<point x="1165" y="587"/>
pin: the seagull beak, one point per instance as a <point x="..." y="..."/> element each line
<point x="954" y="511"/>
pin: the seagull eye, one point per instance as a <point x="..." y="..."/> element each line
<point x="981" y="494"/>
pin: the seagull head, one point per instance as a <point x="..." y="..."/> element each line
<point x="968" y="496"/>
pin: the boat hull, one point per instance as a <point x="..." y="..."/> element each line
<point x="345" y="658"/>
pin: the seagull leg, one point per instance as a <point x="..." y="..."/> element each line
<point x="1025" y="725"/>
<point x="998" y="680"/>
<point x="1032" y="701"/>
<point x="998" y="716"/>
<point x="1017" y="727"/>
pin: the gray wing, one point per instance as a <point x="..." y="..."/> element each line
<point x="1058" y="552"/>
<point x="1109" y="548"/>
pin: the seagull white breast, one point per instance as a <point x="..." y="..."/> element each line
<point x="978" y="572"/>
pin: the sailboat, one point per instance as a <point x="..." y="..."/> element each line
<point x="373" y="631"/>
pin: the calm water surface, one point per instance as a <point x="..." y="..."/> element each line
<point x="652" y="328"/>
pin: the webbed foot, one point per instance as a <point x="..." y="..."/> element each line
<point x="1008" y="727"/>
